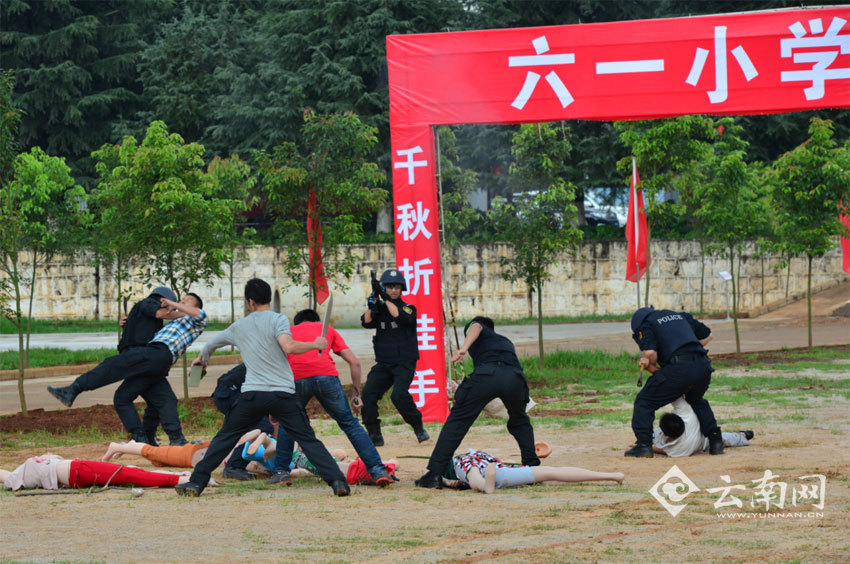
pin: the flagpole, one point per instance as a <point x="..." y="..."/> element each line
<point x="637" y="230"/>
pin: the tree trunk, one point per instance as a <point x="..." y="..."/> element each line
<point x="647" y="279"/>
<point x="97" y="290"/>
<point x="232" y="296"/>
<point x="29" y="310"/>
<point x="540" y="321"/>
<point x="701" y="276"/>
<point x="809" y="298"/>
<point x="762" y="280"/>
<point x="734" y="298"/>
<point x="20" y="324"/>
<point x="788" y="277"/>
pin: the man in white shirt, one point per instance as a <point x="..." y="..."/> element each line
<point x="680" y="435"/>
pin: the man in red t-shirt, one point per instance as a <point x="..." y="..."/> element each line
<point x="316" y="376"/>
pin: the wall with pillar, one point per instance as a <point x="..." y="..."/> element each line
<point x="590" y="283"/>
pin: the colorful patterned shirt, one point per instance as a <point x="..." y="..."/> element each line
<point x="463" y="463"/>
<point x="181" y="333"/>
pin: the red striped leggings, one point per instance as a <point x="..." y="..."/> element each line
<point x="90" y="473"/>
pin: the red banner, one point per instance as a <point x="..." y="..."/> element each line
<point x="748" y="63"/>
<point x="637" y="232"/>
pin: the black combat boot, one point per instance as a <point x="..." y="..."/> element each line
<point x="176" y="438"/>
<point x="140" y="437"/>
<point x="66" y="395"/>
<point x="640" y="450"/>
<point x="429" y="480"/>
<point x="421" y="434"/>
<point x="715" y="442"/>
<point x="375" y="435"/>
<point x="150" y="435"/>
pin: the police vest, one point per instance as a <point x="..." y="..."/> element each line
<point x="139" y="328"/>
<point x="672" y="332"/>
<point x="394" y="343"/>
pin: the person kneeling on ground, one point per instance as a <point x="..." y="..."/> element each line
<point x="680" y="435"/>
<point x="485" y="473"/>
<point x="50" y="471"/>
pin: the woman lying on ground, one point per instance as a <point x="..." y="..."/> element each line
<point x="50" y="471"/>
<point x="485" y="473"/>
<point x="262" y="450"/>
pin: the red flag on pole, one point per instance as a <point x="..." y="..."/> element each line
<point x="314" y="241"/>
<point x="845" y="241"/>
<point x="636" y="231"/>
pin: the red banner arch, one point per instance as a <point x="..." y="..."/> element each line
<point x="748" y="63"/>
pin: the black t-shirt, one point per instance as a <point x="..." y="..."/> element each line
<point x="142" y="324"/>
<point x="491" y="347"/>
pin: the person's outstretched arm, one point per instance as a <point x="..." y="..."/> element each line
<point x="291" y="346"/>
<point x="471" y="336"/>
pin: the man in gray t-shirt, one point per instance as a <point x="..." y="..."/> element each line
<point x="264" y="340"/>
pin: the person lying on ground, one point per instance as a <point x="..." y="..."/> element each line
<point x="186" y="456"/>
<point x="679" y="433"/>
<point x="51" y="471"/>
<point x="355" y="470"/>
<point x="485" y="473"/>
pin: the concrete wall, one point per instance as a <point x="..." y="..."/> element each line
<point x="593" y="282"/>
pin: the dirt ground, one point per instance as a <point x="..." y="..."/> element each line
<point x="590" y="522"/>
<point x="542" y="523"/>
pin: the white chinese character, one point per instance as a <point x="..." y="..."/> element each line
<point x="765" y="491"/>
<point x="410" y="164"/>
<point x="542" y="46"/>
<point x="815" y="491"/>
<point x="721" y="91"/>
<point x="419" y="387"/>
<point x="408" y="219"/>
<point x="726" y="489"/>
<point x="415" y="273"/>
<point x="821" y="59"/>
<point x="623" y="67"/>
<point x="425" y="332"/>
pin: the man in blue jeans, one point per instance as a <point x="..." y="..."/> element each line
<point x="317" y="376"/>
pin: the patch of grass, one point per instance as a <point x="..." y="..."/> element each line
<point x="81" y="326"/>
<point x="44" y="440"/>
<point x="49" y="356"/>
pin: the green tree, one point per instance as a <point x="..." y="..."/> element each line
<point x="666" y="150"/>
<point x="537" y="227"/>
<point x="233" y="181"/>
<point x="38" y="210"/>
<point x="334" y="166"/>
<point x="76" y="67"/>
<point x="732" y="208"/>
<point x="810" y="184"/>
<point x="180" y="227"/>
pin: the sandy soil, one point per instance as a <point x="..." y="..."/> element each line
<point x="543" y="523"/>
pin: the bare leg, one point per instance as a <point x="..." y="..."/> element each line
<point x="476" y="480"/>
<point x="490" y="478"/>
<point x="115" y="450"/>
<point x="261" y="440"/>
<point x="249" y="436"/>
<point x="572" y="474"/>
<point x="3" y="475"/>
<point x="257" y="468"/>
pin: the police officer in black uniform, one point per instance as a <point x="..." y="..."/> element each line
<point x="139" y="327"/>
<point x="497" y="374"/>
<point x="672" y="350"/>
<point x="396" y="353"/>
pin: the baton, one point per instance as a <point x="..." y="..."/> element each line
<point x="327" y="318"/>
<point x="640" y="378"/>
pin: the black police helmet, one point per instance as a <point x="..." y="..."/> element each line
<point x="639" y="317"/>
<point x="164" y="292"/>
<point x="393" y="277"/>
